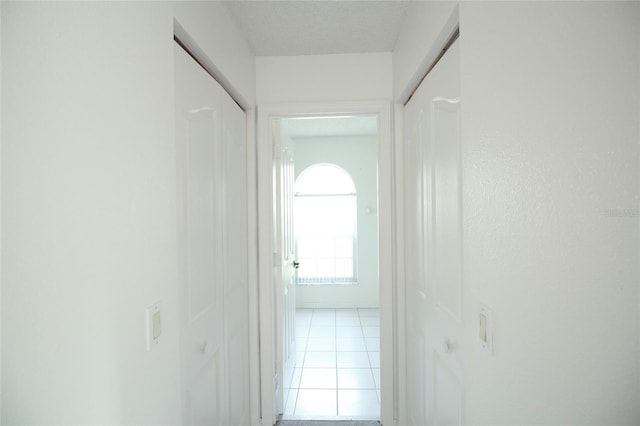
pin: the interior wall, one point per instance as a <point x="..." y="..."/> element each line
<point x="550" y="151"/>
<point x="323" y="78"/>
<point x="89" y="206"/>
<point x="550" y="103"/>
<point x="357" y="156"/>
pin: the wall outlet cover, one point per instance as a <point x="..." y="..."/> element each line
<point x="485" y="329"/>
<point x="153" y="326"/>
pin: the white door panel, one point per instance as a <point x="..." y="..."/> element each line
<point x="284" y="270"/>
<point x="235" y="253"/>
<point x="201" y="297"/>
<point x="237" y="389"/>
<point x="212" y="248"/>
<point x="433" y="247"/>
<point x="204" y="394"/>
<point x="200" y="215"/>
<point x="448" y="394"/>
<point x="446" y="192"/>
<point x="417" y="378"/>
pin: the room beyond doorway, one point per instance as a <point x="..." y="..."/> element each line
<point x="335" y="210"/>
<point x="335" y="244"/>
<point x="279" y="347"/>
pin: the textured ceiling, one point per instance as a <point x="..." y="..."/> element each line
<point x="308" y="27"/>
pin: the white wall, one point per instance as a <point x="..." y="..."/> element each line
<point x="88" y="207"/>
<point x="550" y="104"/>
<point x="357" y="156"/>
<point x="550" y="145"/>
<point x="323" y="78"/>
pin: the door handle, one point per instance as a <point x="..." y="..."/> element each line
<point x="296" y="264"/>
<point x="448" y="346"/>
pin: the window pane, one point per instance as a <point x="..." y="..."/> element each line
<point x="326" y="268"/>
<point x="325" y="225"/>
<point x="324" y="247"/>
<point x="344" y="267"/>
<point x="306" y="248"/>
<point x="324" y="179"/>
<point x="308" y="268"/>
<point x="344" y="247"/>
<point x="325" y="215"/>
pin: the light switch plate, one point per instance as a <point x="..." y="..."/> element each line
<point x="485" y="329"/>
<point x="154" y="326"/>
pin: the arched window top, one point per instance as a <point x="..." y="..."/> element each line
<point x="324" y="179"/>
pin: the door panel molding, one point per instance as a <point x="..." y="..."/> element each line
<point x="448" y="407"/>
<point x="445" y="141"/>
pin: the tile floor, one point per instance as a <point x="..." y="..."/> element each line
<point x="337" y="371"/>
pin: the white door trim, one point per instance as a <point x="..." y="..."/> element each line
<point x="252" y="269"/>
<point x="387" y="246"/>
<point x="399" y="275"/>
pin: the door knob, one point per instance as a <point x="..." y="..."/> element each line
<point x="448" y="346"/>
<point x="296" y="264"/>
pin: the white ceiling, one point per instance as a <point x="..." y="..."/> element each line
<point x="317" y="27"/>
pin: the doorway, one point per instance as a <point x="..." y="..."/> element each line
<point x="336" y="368"/>
<point x="337" y="359"/>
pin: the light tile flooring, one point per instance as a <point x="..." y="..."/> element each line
<point x="337" y="370"/>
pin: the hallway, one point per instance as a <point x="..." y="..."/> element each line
<point x="338" y="364"/>
<point x="524" y="308"/>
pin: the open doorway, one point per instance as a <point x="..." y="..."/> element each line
<point x="332" y="332"/>
<point x="336" y="369"/>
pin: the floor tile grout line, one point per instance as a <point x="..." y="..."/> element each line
<point x="369" y="357"/>
<point x="365" y="341"/>
<point x="335" y="341"/>
<point x="366" y="350"/>
<point x="306" y="343"/>
<point x="295" y="405"/>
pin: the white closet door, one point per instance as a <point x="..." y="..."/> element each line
<point x="235" y="253"/>
<point x="434" y="247"/>
<point x="212" y="248"/>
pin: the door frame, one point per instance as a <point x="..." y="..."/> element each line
<point x="387" y="246"/>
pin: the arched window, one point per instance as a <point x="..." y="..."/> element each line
<point x="325" y="225"/>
